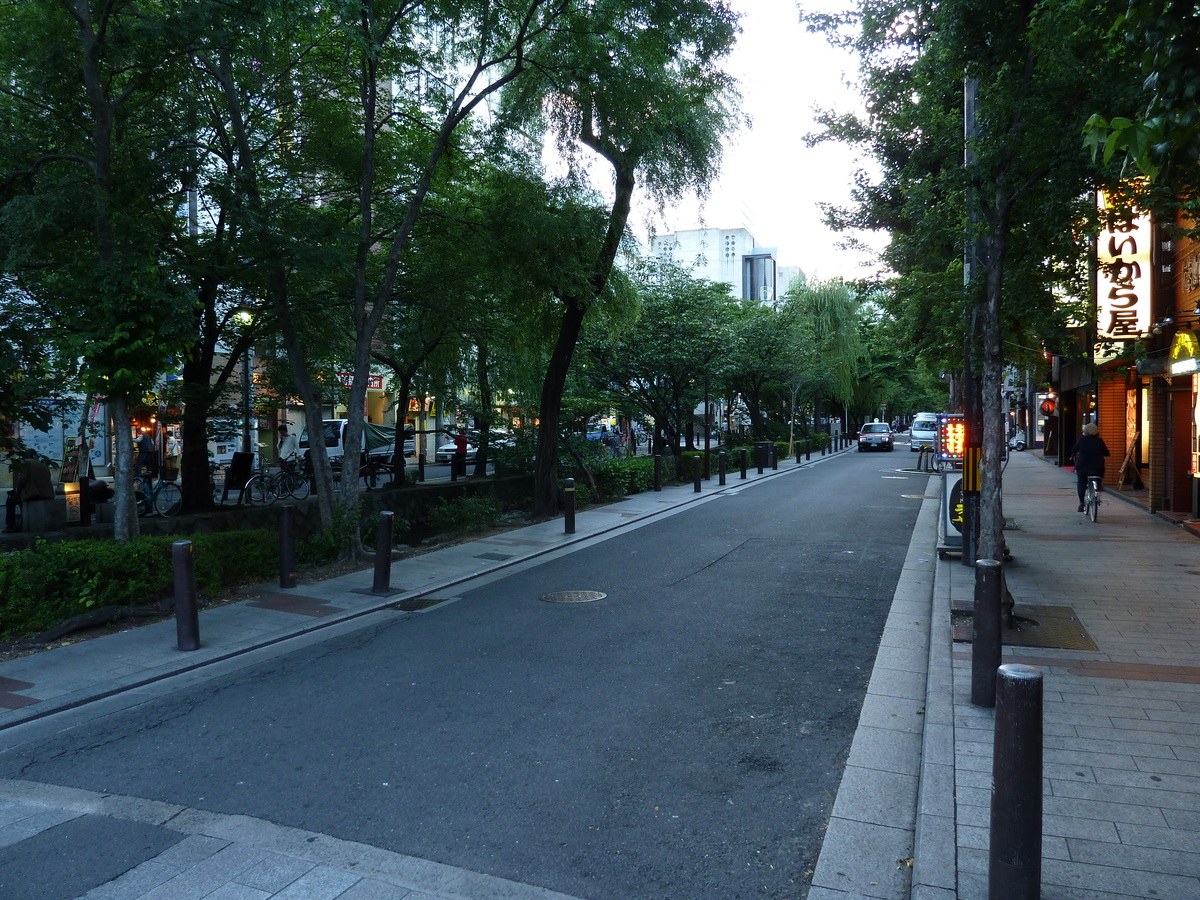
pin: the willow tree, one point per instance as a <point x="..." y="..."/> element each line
<point x="636" y="86"/>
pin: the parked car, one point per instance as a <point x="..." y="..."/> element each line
<point x="923" y="432"/>
<point x="445" y="453"/>
<point x="875" y="436"/>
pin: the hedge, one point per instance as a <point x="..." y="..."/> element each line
<point x="48" y="583"/>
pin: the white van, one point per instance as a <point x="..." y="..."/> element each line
<point x="923" y="432"/>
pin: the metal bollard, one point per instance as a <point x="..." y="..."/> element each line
<point x="760" y="457"/>
<point x="383" y="554"/>
<point x="985" y="632"/>
<point x="773" y="451"/>
<point x="799" y="455"/>
<point x="1015" y="840"/>
<point x="822" y="448"/>
<point x="696" y="474"/>
<point x="743" y="462"/>
<point x="658" y="471"/>
<point x="722" y="465"/>
<point x="807" y="450"/>
<point x="569" y="506"/>
<point x="85" y="502"/>
<point x="187" y="613"/>
<point x="287" y="547"/>
<point x="421" y="466"/>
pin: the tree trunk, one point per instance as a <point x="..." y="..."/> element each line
<point x="125" y="517"/>
<point x="991" y="513"/>
<point x="545" y="488"/>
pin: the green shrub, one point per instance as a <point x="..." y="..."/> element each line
<point x="619" y="476"/>
<point x="47" y="583"/>
<point x="465" y="514"/>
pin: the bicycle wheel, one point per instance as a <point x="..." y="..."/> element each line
<point x="294" y="485"/>
<point x="259" y="491"/>
<point x="142" y="496"/>
<point x="169" y="499"/>
<point x="1093" y="502"/>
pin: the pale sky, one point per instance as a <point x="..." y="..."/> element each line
<point x="771" y="182"/>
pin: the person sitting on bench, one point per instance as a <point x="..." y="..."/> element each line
<point x="31" y="482"/>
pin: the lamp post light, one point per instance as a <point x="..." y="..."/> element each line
<point x="246" y="318"/>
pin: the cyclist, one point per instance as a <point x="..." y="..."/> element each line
<point x="1089" y="452"/>
<point x="289" y="447"/>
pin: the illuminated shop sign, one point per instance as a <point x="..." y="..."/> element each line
<point x="1122" y="274"/>
<point x="1185" y="354"/>
<point x="951" y="437"/>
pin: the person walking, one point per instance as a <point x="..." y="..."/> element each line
<point x="147" y="455"/>
<point x="1089" y="452"/>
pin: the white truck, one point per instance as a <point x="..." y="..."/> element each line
<point x="377" y="440"/>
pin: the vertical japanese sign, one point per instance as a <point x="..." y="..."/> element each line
<point x="1122" y="273"/>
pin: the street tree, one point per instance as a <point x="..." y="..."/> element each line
<point x="93" y="158"/>
<point x="1011" y="199"/>
<point x="670" y="359"/>
<point x="636" y="86"/>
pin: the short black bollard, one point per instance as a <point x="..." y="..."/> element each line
<point x="722" y="465"/>
<point x="985" y="632"/>
<point x="774" y="452"/>
<point x="383" y="554"/>
<point x="807" y="450"/>
<point x="743" y="475"/>
<point x="569" y="506"/>
<point x="799" y="455"/>
<point x="760" y="457"/>
<point x="696" y="474"/>
<point x="187" y="613"/>
<point x="287" y="547"/>
<point x="1015" y="842"/>
<point x="420" y="467"/>
<point x="658" y="471"/>
<point x="822" y="448"/>
<point x="85" y="501"/>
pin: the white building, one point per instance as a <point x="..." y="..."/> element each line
<point x="728" y="255"/>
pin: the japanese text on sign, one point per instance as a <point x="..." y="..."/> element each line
<point x="1122" y="274"/>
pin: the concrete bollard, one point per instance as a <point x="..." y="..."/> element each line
<point x="569" y="506"/>
<point x="696" y="474"/>
<point x="287" y="546"/>
<point x="1015" y="840"/>
<point x="985" y="632"/>
<point x="722" y="465"/>
<point x="743" y="462"/>
<point x="383" y="554"/>
<point x="658" y="471"/>
<point x="187" y="613"/>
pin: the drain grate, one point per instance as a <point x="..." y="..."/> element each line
<point x="573" y="596"/>
<point x="418" y="603"/>
<point x="1037" y="626"/>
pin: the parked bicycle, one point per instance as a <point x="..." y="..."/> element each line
<point x="1091" y="497"/>
<point x="157" y="495"/>
<point x="268" y="485"/>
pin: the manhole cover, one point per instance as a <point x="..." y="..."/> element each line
<point x="573" y="596"/>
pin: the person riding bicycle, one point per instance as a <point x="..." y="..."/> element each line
<point x="1089" y="452"/>
<point x="289" y="448"/>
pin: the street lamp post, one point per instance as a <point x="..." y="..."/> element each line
<point x="246" y="401"/>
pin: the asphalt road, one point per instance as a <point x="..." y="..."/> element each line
<point x="682" y="738"/>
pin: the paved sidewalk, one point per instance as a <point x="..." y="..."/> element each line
<point x="191" y="853"/>
<point x="1121" y="740"/>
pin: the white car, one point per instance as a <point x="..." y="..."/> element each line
<point x="445" y="453"/>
